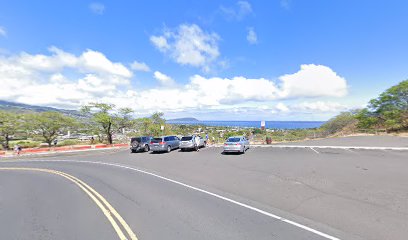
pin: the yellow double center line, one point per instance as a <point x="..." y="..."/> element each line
<point x="107" y="209"/>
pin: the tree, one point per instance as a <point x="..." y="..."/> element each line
<point x="10" y="124"/>
<point x="144" y="125"/>
<point x="390" y="109"/>
<point x="157" y="121"/>
<point x="183" y="129"/>
<point x="339" y="122"/>
<point x="49" y="124"/>
<point x="124" y="119"/>
<point x="366" y="119"/>
<point x="108" y="118"/>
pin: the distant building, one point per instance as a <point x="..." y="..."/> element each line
<point x="263" y="125"/>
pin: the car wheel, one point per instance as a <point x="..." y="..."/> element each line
<point x="168" y="149"/>
<point x="146" y="148"/>
<point x="132" y="151"/>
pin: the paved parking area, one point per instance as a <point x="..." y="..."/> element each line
<point x="361" y="141"/>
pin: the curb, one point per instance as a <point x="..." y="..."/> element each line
<point x="70" y="149"/>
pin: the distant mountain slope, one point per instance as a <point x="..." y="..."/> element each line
<point x="20" y="107"/>
<point x="190" y="119"/>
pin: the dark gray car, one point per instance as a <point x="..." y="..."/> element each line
<point x="164" y="144"/>
<point x="138" y="144"/>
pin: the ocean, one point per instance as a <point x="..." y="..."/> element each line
<point x="255" y="124"/>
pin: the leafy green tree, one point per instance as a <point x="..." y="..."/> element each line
<point x="124" y="119"/>
<point x="390" y="109"/>
<point x="49" y="124"/>
<point x="157" y="121"/>
<point x="108" y="118"/>
<point x="183" y="129"/>
<point x="10" y="124"/>
<point x="144" y="125"/>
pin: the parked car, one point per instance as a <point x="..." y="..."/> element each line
<point x="236" y="144"/>
<point x="138" y="144"/>
<point x="164" y="144"/>
<point x="188" y="142"/>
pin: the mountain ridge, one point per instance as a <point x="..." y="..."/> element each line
<point x="21" y="107"/>
<point x="183" y="119"/>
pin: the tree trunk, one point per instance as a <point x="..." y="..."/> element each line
<point x="6" y="144"/>
<point x="109" y="134"/>
<point x="110" y="141"/>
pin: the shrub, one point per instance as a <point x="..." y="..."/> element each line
<point x="68" y="142"/>
<point x="25" y="144"/>
<point x="339" y="122"/>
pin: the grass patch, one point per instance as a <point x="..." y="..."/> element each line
<point x="25" y="143"/>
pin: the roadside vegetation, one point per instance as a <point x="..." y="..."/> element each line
<point x="104" y="123"/>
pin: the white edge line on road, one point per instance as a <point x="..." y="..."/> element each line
<point x="315" y="150"/>
<point x="199" y="190"/>
<point x="334" y="147"/>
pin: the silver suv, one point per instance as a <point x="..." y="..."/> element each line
<point x="164" y="144"/>
<point x="189" y="142"/>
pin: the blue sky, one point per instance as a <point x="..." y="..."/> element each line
<point x="214" y="60"/>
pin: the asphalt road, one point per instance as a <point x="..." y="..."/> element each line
<point x="348" y="194"/>
<point x="43" y="206"/>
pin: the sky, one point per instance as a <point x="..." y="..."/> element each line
<point x="295" y="60"/>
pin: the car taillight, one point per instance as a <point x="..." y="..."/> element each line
<point x="151" y="143"/>
<point x="225" y="144"/>
<point x="162" y="143"/>
<point x="238" y="144"/>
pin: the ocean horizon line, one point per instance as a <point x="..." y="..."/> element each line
<point x="252" y="124"/>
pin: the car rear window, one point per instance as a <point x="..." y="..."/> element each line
<point x="186" y="138"/>
<point x="138" y="139"/>
<point x="233" y="140"/>
<point x="156" y="140"/>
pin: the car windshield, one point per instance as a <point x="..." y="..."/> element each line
<point x="156" y="140"/>
<point x="186" y="138"/>
<point x="233" y="139"/>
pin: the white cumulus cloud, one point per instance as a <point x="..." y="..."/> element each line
<point x="163" y="78"/>
<point x="160" y="42"/>
<point x="63" y="79"/>
<point x="282" y="107"/>
<point x="189" y="45"/>
<point x="313" y="81"/>
<point x="39" y="79"/>
<point x="139" y="66"/>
